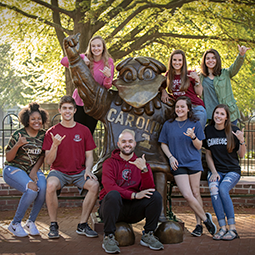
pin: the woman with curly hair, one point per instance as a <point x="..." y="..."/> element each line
<point x="24" y="156"/>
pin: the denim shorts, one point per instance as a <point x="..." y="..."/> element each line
<point x="65" y="179"/>
<point x="184" y="170"/>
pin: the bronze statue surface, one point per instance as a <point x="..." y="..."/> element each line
<point x="136" y="105"/>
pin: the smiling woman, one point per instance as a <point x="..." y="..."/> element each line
<point x="224" y="143"/>
<point x="181" y="82"/>
<point x="24" y="156"/>
<point x="216" y="82"/>
<point x="185" y="160"/>
<point x="101" y="67"/>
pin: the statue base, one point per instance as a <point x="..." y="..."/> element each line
<point x="170" y="232"/>
<point x="124" y="233"/>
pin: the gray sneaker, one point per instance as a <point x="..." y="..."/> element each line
<point x="110" y="245"/>
<point x="149" y="240"/>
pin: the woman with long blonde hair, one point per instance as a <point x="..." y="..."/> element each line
<point x="101" y="66"/>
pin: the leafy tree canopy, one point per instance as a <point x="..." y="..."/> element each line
<point x="36" y="30"/>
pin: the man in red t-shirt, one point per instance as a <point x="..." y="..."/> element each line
<point x="69" y="151"/>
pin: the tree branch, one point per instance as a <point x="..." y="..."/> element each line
<point x="57" y="20"/>
<point x="13" y="8"/>
<point x="103" y="7"/>
<point x="139" y="42"/>
<point x="111" y="14"/>
<point x="55" y="8"/>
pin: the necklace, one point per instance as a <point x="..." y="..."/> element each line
<point x="181" y="126"/>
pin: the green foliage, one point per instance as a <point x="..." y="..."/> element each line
<point x="152" y="28"/>
<point x="12" y="87"/>
<point x="250" y="155"/>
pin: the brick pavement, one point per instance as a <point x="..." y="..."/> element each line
<point x="72" y="243"/>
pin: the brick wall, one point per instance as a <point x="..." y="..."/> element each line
<point x="241" y="189"/>
<point x="8" y="204"/>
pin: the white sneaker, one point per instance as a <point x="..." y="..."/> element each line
<point x="17" y="230"/>
<point x="31" y="228"/>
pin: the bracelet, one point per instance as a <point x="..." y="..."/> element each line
<point x="170" y="156"/>
<point x="197" y="83"/>
<point x="135" y="195"/>
<point x="194" y="138"/>
<point x="242" y="143"/>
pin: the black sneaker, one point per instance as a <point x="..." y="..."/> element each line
<point x="198" y="231"/>
<point x="53" y="231"/>
<point x="84" y="229"/>
<point x="211" y="227"/>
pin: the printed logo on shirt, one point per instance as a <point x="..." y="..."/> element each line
<point x="126" y="174"/>
<point x="217" y="141"/>
<point x="31" y="150"/>
<point x="176" y="88"/>
<point x="77" y="138"/>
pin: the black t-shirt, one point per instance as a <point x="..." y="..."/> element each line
<point x="216" y="142"/>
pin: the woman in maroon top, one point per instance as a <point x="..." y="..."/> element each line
<point x="181" y="82"/>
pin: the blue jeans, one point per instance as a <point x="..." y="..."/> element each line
<point x="19" y="180"/>
<point x="221" y="200"/>
<point x="200" y="113"/>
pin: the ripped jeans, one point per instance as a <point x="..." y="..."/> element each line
<point x="221" y="200"/>
<point x="19" y="179"/>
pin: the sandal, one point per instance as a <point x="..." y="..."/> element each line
<point x="220" y="234"/>
<point x="232" y="234"/>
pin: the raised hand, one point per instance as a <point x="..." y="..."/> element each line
<point x="139" y="162"/>
<point x="239" y="134"/>
<point x="190" y="132"/>
<point x="106" y="71"/>
<point x="72" y="46"/>
<point x="57" y="139"/>
<point x="242" y="49"/>
<point x="194" y="76"/>
<point x="21" y="141"/>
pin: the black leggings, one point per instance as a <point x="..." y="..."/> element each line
<point x="83" y="118"/>
<point x="114" y="209"/>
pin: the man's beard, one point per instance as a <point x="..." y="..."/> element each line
<point x="127" y="153"/>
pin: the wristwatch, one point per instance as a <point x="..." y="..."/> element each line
<point x="145" y="170"/>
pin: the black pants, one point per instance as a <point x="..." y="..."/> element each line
<point x="81" y="117"/>
<point x="115" y="209"/>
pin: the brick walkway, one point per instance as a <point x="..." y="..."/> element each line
<point x="72" y="243"/>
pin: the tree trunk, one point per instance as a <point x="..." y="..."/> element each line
<point x="69" y="85"/>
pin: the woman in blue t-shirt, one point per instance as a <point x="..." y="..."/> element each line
<point x="223" y="143"/>
<point x="181" y="139"/>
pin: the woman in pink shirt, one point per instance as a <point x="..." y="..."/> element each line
<point x="181" y="82"/>
<point x="101" y="66"/>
